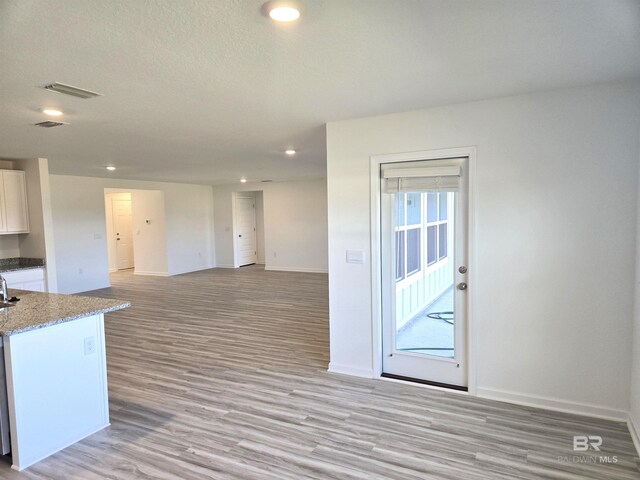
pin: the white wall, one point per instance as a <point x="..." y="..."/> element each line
<point x="557" y="174"/>
<point x="149" y="240"/>
<point x="295" y="224"/>
<point x="634" y="415"/>
<point x="9" y="246"/>
<point x="80" y="228"/>
<point x="260" y="227"/>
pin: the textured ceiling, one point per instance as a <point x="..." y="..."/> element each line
<point x="208" y="91"/>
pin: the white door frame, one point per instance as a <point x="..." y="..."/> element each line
<point x="376" y="264"/>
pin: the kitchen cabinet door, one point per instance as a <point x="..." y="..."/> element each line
<point x="16" y="216"/>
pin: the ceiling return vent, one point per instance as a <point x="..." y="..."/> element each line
<point x="50" y="123"/>
<point x="71" y="90"/>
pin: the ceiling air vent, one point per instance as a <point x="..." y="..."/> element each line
<point x="71" y="90"/>
<point x="50" y="123"/>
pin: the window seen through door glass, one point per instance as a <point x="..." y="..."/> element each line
<point x="432" y="207"/>
<point x="399" y="255"/>
<point x="399" y="209"/>
<point x="442" y="241"/>
<point x="413" y="250"/>
<point x="432" y="254"/>
<point x="414" y="210"/>
<point x="443" y="205"/>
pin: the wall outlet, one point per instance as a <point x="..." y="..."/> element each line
<point x="97" y="236"/>
<point x="89" y="345"/>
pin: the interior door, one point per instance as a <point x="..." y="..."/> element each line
<point x="246" y="246"/>
<point x="424" y="209"/>
<point x="123" y="225"/>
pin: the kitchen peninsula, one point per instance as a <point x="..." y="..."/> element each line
<point x="55" y="388"/>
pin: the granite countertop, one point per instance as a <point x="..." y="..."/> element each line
<point x="20" y="263"/>
<point x="39" y="310"/>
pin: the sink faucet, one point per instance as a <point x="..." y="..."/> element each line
<point x="3" y="289"/>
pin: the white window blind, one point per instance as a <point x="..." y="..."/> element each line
<point x="398" y="179"/>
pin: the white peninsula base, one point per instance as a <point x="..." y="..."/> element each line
<point x="56" y="387"/>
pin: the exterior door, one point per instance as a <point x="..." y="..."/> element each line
<point x="424" y="209"/>
<point x="246" y="247"/>
<point x="123" y="225"/>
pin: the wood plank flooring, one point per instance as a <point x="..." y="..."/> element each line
<point x="221" y="374"/>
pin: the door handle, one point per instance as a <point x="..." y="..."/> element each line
<point x="462" y="286"/>
<point x="462" y="269"/>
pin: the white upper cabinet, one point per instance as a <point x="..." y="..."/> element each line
<point x="14" y="215"/>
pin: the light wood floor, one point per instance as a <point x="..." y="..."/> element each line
<point x="221" y="374"/>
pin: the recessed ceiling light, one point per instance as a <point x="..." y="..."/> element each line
<point x="284" y="14"/>
<point x="290" y="151"/>
<point x="52" y="112"/>
<point x="243" y="180"/>
<point x="111" y="168"/>
<point x="284" y="11"/>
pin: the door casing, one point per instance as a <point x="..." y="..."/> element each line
<point x="376" y="264"/>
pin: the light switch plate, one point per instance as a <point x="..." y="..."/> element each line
<point x="355" y="256"/>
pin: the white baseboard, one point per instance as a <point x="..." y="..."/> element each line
<point x="555" y="404"/>
<point x="347" y="370"/>
<point x="297" y="269"/>
<point x="151" y="274"/>
<point x="196" y="269"/>
<point x="224" y="266"/>
<point x="634" y="430"/>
